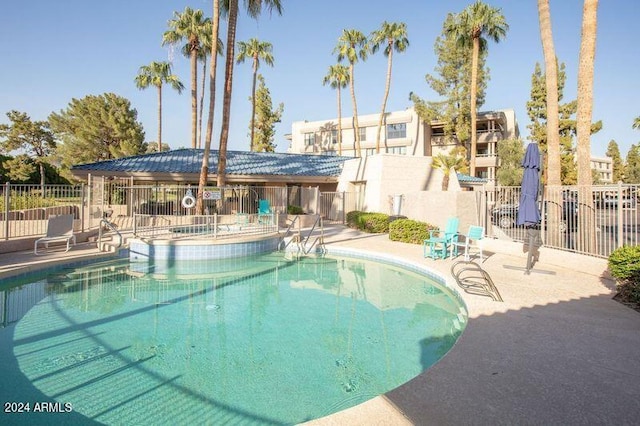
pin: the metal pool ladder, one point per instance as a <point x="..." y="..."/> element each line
<point x="304" y="242"/>
<point x="474" y="280"/>
<point x="112" y="228"/>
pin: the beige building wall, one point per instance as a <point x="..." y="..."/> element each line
<point x="604" y="167"/>
<point x="402" y="131"/>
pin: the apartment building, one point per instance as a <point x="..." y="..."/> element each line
<point x="403" y="133"/>
<point x="604" y="167"/>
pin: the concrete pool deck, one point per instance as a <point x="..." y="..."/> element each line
<point x="558" y="350"/>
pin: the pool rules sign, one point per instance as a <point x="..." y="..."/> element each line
<point x="212" y="194"/>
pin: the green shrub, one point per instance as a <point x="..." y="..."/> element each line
<point x="376" y="223"/>
<point x="624" y="264"/>
<point x="294" y="210"/>
<point x="409" y="231"/>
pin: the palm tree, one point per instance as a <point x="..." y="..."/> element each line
<point x="156" y="74"/>
<point x="338" y="78"/>
<point x="446" y="162"/>
<point x="583" y="123"/>
<point x="636" y="123"/>
<point x="216" y="49"/>
<point x="553" y="175"/>
<point x="352" y="45"/>
<point x="254" y="8"/>
<point x="470" y="27"/>
<point x="256" y="50"/>
<point x="191" y="26"/>
<point x="394" y="37"/>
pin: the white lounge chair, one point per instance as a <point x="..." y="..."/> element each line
<point x="59" y="229"/>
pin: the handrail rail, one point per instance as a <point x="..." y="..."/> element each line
<point x="318" y="238"/>
<point x="111" y="227"/>
<point x="286" y="233"/>
<point x="302" y="242"/>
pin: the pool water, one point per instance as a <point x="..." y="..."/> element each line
<point x="282" y="342"/>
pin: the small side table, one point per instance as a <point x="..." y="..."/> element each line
<point x="435" y="248"/>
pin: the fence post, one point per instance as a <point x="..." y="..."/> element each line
<point x="620" y="216"/>
<point x="7" y="205"/>
<point x="82" y="206"/>
<point x="344" y="206"/>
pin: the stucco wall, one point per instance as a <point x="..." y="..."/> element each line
<point x="386" y="175"/>
<point x="383" y="176"/>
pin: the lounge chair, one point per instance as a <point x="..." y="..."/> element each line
<point x="59" y="229"/>
<point x="437" y="245"/>
<point x="265" y="214"/>
<point x="468" y="242"/>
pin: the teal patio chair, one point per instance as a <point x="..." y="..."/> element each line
<point x="468" y="242"/>
<point x="437" y="245"/>
<point x="265" y="214"/>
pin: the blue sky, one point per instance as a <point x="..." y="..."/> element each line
<point x="55" y="51"/>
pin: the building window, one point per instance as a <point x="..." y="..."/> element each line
<point x="396" y="131"/>
<point x="402" y="150"/>
<point x="309" y="139"/>
<point x="334" y="136"/>
<point x="363" y="133"/>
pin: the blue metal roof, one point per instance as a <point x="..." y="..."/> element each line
<point x="469" y="179"/>
<point x="186" y="160"/>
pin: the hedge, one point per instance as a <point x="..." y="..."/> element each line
<point x="409" y="231"/>
<point x="624" y="264"/>
<point x="375" y="223"/>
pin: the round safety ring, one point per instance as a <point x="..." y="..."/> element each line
<point x="188" y="201"/>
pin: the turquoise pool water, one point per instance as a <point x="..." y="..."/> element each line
<point x="281" y="342"/>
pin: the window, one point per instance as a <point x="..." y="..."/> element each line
<point x="363" y="133"/>
<point x="334" y="136"/>
<point x="396" y="131"/>
<point x="309" y="139"/>
<point x="402" y="150"/>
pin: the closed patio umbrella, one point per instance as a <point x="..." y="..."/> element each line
<point x="528" y="211"/>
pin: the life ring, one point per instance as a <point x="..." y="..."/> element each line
<point x="188" y="201"/>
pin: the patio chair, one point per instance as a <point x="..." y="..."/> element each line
<point x="436" y="246"/>
<point x="265" y="214"/>
<point x="468" y="242"/>
<point x="59" y="229"/>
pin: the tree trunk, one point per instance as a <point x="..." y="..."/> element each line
<point x="384" y="101"/>
<point x="204" y="170"/>
<point x="228" y="83"/>
<point x="474" y="113"/>
<point x="339" y="122"/>
<point x="160" y="118"/>
<point x="356" y="129"/>
<point x="552" y="175"/>
<point x="586" y="218"/>
<point x="42" y="178"/>
<point x="204" y="73"/>
<point x="194" y="99"/>
<point x="253" y="103"/>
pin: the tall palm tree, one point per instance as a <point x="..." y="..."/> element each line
<point x="394" y="37"/>
<point x="338" y="78"/>
<point x="583" y="122"/>
<point x="636" y="123"/>
<point x="352" y="44"/>
<point x="254" y="8"/>
<point x="216" y="49"/>
<point x="156" y="74"/>
<point x="470" y="27"/>
<point x="192" y="26"/>
<point x="256" y="50"/>
<point x="553" y="175"/>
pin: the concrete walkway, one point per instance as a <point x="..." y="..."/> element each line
<point x="558" y="350"/>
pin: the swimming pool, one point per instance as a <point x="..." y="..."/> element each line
<point x="283" y="342"/>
